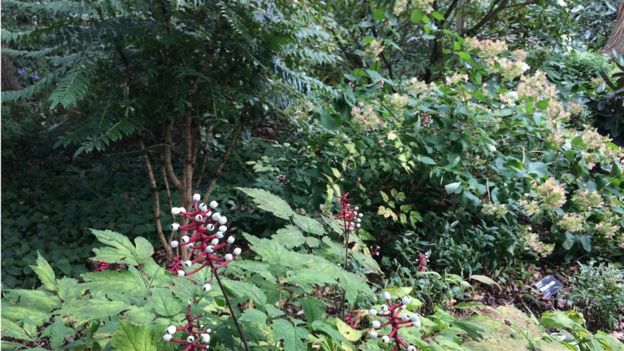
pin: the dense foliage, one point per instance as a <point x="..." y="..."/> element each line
<point x="433" y="152"/>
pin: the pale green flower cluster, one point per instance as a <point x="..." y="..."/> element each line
<point x="551" y="194"/>
<point x="486" y="47"/>
<point x="365" y="116"/>
<point x="397" y="102"/>
<point x="534" y="243"/>
<point x="572" y="222"/>
<point x="587" y="199"/>
<point x="495" y="210"/>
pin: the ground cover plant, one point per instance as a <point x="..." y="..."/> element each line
<point x="307" y="175"/>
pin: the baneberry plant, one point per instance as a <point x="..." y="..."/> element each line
<point x="197" y="337"/>
<point x="397" y="318"/>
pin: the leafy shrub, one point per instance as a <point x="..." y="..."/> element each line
<point x="598" y="292"/>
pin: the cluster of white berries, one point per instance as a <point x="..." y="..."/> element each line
<point x="397" y="317"/>
<point x="193" y="340"/>
<point x="204" y="234"/>
<point x="350" y="217"/>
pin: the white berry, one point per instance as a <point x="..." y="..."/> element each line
<point x="411" y="348"/>
<point x="384" y="308"/>
<point x="222" y="229"/>
<point x="387" y="295"/>
<point x="181" y="273"/>
<point x="167" y="337"/>
<point x="210" y="227"/>
<point x="209" y="249"/>
<point x="216" y="216"/>
<point x="176" y="211"/>
<point x="385" y="339"/>
<point x="220" y="235"/>
<point x="205" y="338"/>
<point x="229" y="257"/>
<point x="190" y="338"/>
<point x="222" y="220"/>
<point x="182" y="209"/>
<point x="174" y="243"/>
<point x="373" y="334"/>
<point x="214" y="204"/>
<point x="199" y="218"/>
<point x="230" y="239"/>
<point x="203" y="207"/>
<point x="175" y="226"/>
<point x="214" y="241"/>
<point x="188" y="263"/>
<point x="237" y="251"/>
<point x="372" y="312"/>
<point x="207" y="287"/>
<point x="405" y="300"/>
<point x="196" y="197"/>
<point x="186" y="239"/>
<point x="171" y="329"/>
<point x="376" y="324"/>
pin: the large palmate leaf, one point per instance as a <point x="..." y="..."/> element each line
<point x="83" y="311"/>
<point x="120" y="248"/>
<point x="269" y="202"/>
<point x="308" y="224"/>
<point x="245" y="289"/>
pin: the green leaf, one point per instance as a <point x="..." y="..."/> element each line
<point x="453" y="188"/>
<point x="484" y="279"/>
<point x="240" y="288"/>
<point x="83" y="311"/>
<point x="120" y="248"/>
<point x="292" y="335"/>
<point x="378" y="14"/>
<point x="348" y="332"/>
<point x="164" y="303"/>
<point x="586" y="242"/>
<point x="253" y="316"/>
<point x="290" y="237"/>
<point x="133" y="338"/>
<point x="328" y="329"/>
<point x="140" y="315"/>
<point x="10" y="329"/>
<point x="269" y="202"/>
<point x="426" y="160"/>
<point x="45" y="273"/>
<point x="557" y="320"/>
<point x="69" y="289"/>
<point x="308" y="224"/>
<point x="313" y="308"/>
<point x="58" y="332"/>
<point x="417" y="16"/>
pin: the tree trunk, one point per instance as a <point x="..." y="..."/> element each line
<point x="9" y="79"/>
<point x="616" y="39"/>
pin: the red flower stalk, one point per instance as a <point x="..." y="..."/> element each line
<point x="205" y="232"/>
<point x="422" y="262"/>
<point x="102" y="266"/>
<point x="396" y="320"/>
<point x="197" y="338"/>
<point x="349" y="216"/>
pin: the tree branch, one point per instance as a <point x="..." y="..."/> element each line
<point x="497" y="6"/>
<point x="156" y="195"/>
<point x="226" y="156"/>
<point x="166" y="157"/>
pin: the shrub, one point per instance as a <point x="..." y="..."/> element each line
<point x="598" y="292"/>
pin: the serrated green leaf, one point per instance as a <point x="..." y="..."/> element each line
<point x="164" y="303"/>
<point x="69" y="289"/>
<point x="83" y="311"/>
<point x="120" y="248"/>
<point x="253" y="316"/>
<point x="58" y="332"/>
<point x="45" y="273"/>
<point x="308" y="224"/>
<point x="313" y="308"/>
<point x="10" y="329"/>
<point x="269" y="202"/>
<point x="240" y="288"/>
<point x="290" y="334"/>
<point x="290" y="237"/>
<point x="133" y="338"/>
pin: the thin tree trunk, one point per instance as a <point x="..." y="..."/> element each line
<point x="616" y="39"/>
<point x="156" y="195"/>
<point x="9" y="79"/>
<point x="230" y="148"/>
